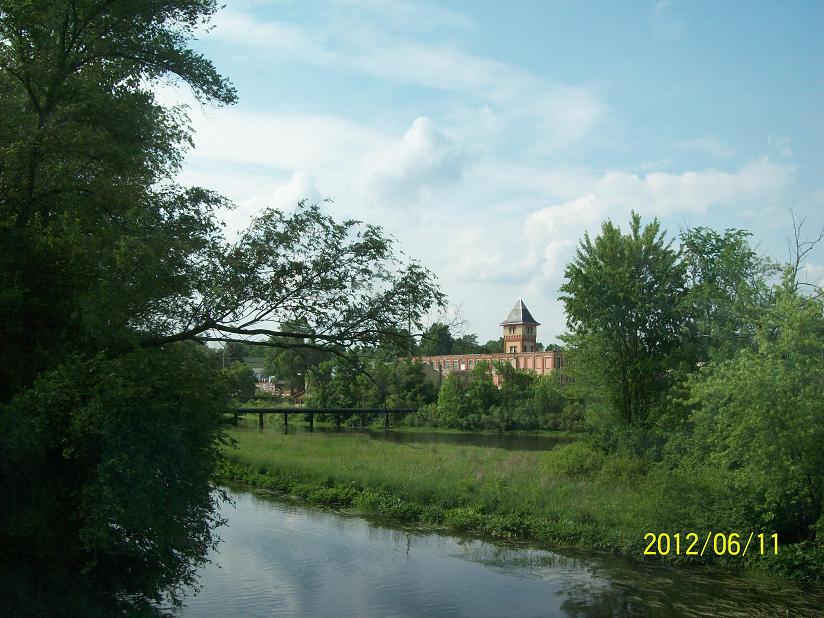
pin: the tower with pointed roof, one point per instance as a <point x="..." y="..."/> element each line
<point x="520" y="330"/>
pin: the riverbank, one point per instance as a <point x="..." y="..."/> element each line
<point x="571" y="495"/>
<point x="278" y="557"/>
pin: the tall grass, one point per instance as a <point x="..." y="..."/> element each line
<point x="573" y="494"/>
<point x="552" y="485"/>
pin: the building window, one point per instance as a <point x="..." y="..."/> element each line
<point x="511" y="330"/>
<point x="512" y="349"/>
<point x="471" y="363"/>
<point x="529" y="330"/>
<point x="557" y="362"/>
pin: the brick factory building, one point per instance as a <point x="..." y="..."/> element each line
<point x="519" y="349"/>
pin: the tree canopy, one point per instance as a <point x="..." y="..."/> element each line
<point x="622" y="297"/>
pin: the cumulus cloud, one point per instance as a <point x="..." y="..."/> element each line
<point x="557" y="229"/>
<point x="285" y="196"/>
<point x="477" y="257"/>
<point x="421" y="162"/>
<point x="301" y="186"/>
<point x="282" y="140"/>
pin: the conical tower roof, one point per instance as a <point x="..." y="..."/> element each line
<point x="520" y="315"/>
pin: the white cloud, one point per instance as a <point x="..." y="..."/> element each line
<point x="301" y="186"/>
<point x="557" y="228"/>
<point x="266" y="192"/>
<point x="239" y="27"/>
<point x="423" y="161"/>
<point x="282" y="141"/>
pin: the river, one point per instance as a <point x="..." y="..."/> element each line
<point x="278" y="558"/>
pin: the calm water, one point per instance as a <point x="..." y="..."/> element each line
<point x="280" y="559"/>
<point x="525" y="442"/>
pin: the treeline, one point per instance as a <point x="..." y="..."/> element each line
<point x="525" y="401"/>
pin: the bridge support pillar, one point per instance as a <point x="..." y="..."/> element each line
<point x="311" y="422"/>
<point x="260" y="420"/>
<point x="285" y="422"/>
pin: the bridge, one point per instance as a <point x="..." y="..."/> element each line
<point x="337" y="412"/>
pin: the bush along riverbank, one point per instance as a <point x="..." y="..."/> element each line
<point x="573" y="496"/>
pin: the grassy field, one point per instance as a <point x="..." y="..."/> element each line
<point x="571" y="495"/>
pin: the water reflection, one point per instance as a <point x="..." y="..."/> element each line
<point x="280" y="559"/>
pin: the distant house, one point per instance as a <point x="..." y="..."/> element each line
<point x="520" y="350"/>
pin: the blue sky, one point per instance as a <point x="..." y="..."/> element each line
<point x="488" y="136"/>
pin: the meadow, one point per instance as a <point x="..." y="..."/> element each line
<point x="573" y="495"/>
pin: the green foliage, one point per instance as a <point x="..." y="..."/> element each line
<point x="623" y="303"/>
<point x="291" y="358"/>
<point x="573" y="461"/>
<point x="380" y="382"/>
<point x="699" y="376"/>
<point x="760" y="416"/>
<point x="727" y="290"/>
<point x="524" y="401"/>
<point x="237" y="351"/>
<point x="493" y="346"/>
<point x="239" y="382"/>
<point x="97" y="237"/>
<point x="105" y="449"/>
<point x="436" y="340"/>
<point x="106" y="465"/>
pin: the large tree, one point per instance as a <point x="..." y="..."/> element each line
<point x="623" y="304"/>
<point x="110" y="274"/>
<point x="727" y="292"/>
